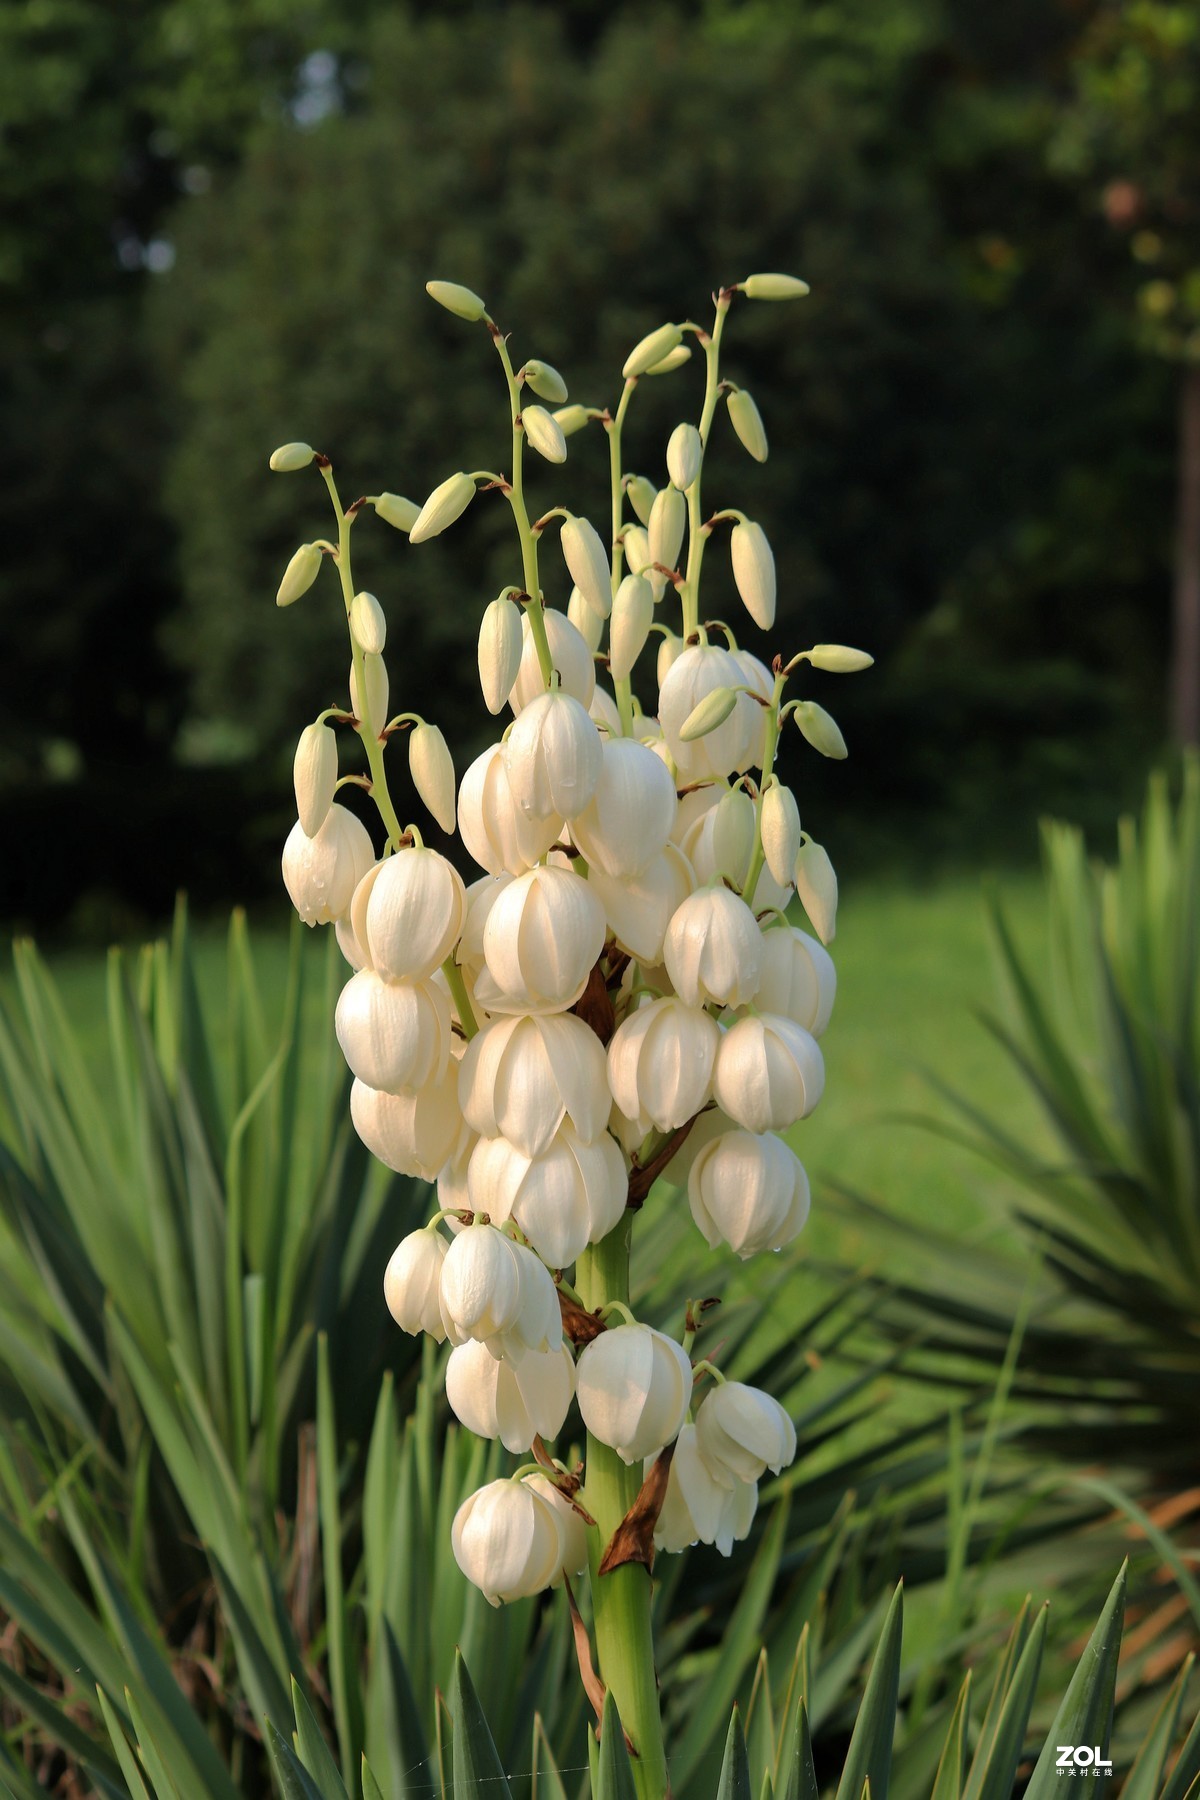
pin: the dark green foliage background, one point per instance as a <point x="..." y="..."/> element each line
<point x="973" y="461"/>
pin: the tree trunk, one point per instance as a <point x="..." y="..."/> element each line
<point x="1185" y="620"/>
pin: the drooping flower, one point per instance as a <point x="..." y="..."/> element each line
<point x="506" y="1540"/>
<point x="412" y="1283"/>
<point x="748" y="1191"/>
<point x="321" y="872"/>
<point x="633" y="1385"/>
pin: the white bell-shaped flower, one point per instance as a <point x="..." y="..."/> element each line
<point x="747" y="1191"/>
<point x="570" y="654"/>
<point x="569" y="1196"/>
<point x="629" y="819"/>
<point x="314" y="775"/>
<point x="393" y="1034"/>
<point x="634" y="1386"/>
<point x="798" y="978"/>
<point x="713" y="949"/>
<point x="321" y="873"/>
<point x="499" y="650"/>
<point x="660" y="1062"/>
<point x="587" y="561"/>
<point x="481" y="896"/>
<point x="515" y="1399"/>
<point x="495" y="831"/>
<point x="348" y="944"/>
<point x="632" y="617"/>
<point x="552" y="755"/>
<point x="357" y="915"/>
<point x="756" y="676"/>
<point x="414" y="914"/>
<point x="670" y="649"/>
<point x="639" y="908"/>
<point x="754" y="572"/>
<point x="604" y="713"/>
<point x="720" y="840"/>
<point x="524" y="1076"/>
<point x="412" y="1283"/>
<point x="452" y="1190"/>
<point x="742" y="1432"/>
<point x="695" y="673"/>
<point x="413" y="1133"/>
<point x="668" y="516"/>
<point x="769" y="1072"/>
<point x="541" y="940"/>
<point x="699" y="1509"/>
<point x="498" y="1293"/>
<point x="571" y="1527"/>
<point x="506" y="1540"/>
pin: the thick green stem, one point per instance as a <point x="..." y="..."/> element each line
<point x="621" y="1599"/>
<point x="516" y="499"/>
<point x="690" y="592"/>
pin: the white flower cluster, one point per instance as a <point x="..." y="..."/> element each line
<point x="618" y="995"/>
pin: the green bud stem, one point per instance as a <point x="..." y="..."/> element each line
<point x="623" y="689"/>
<point x="690" y="591"/>
<point x="770" y="745"/>
<point x="516" y="499"/>
<point x="458" y="991"/>
<point x="621" y="1599"/>
<point x="368" y="729"/>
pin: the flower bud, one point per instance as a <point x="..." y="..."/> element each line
<point x="544" y="433"/>
<point x="774" y="287"/>
<point x="498" y="1293"/>
<point x="742" y="1432"/>
<point x="634" y="1386"/>
<point x="698" y="1509"/>
<point x="637" y="555"/>
<point x="299" y="575"/>
<point x="670" y="649"/>
<point x="553" y="757"/>
<point x="660" y="1062"/>
<point x="641" y="496"/>
<point x="695" y="673"/>
<point x="415" y="914"/>
<point x="668" y="516"/>
<point x="495" y="832"/>
<point x="713" y="949"/>
<point x="507" y="1541"/>
<point x="746" y="420"/>
<point x="395" y="510"/>
<point x="290" y="457"/>
<point x="456" y="299"/>
<point x="571" y="1527"/>
<point x="674" y="359"/>
<point x="732" y="836"/>
<point x="514" y="1400"/>
<point x="638" y="908"/>
<point x="754" y="572"/>
<point x="839" y="659"/>
<point x="321" y="872"/>
<point x="568" y="1196"/>
<point x="630" y="816"/>
<point x="685" y="453"/>
<point x="314" y="775"/>
<point x="710" y="712"/>
<point x="522" y="1078"/>
<point x="368" y="623"/>
<point x="542" y="938"/>
<point x="412" y="1281"/>
<point x="374" y="711"/>
<point x="748" y="1191"/>
<point x="571" y="419"/>
<point x="654" y="347"/>
<point x="546" y="381"/>
<point x="499" y="650"/>
<point x="587" y="563"/>
<point x="414" y="1132"/>
<point x="780" y="827"/>
<point x="816" y="884"/>
<point x="632" y="617"/>
<point x="588" y="624"/>
<point x="448" y="501"/>
<point x="769" y="1073"/>
<point x="758" y="678"/>
<point x="821" y="730"/>
<point x="798" y="978"/>
<point x="432" y="769"/>
<point x="570" y="655"/>
<point x="394" y="1034"/>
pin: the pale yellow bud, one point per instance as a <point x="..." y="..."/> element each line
<point x="653" y="349"/>
<point x="839" y="659"/>
<point x="375" y="716"/>
<point x="668" y="650"/>
<point x="432" y="769"/>
<point x="637" y="548"/>
<point x="395" y="510"/>
<point x="448" y="501"/>
<point x="629" y="627"/>
<point x="571" y="419"/>
<point x="668" y="516"/>
<point x="290" y="457"/>
<point x="817" y="886"/>
<point x="499" y="651"/>
<point x="544" y="433"/>
<point x="546" y="381"/>
<point x="821" y="731"/>
<point x="746" y="420"/>
<point x="587" y="623"/>
<point x="685" y="453"/>
<point x="781" y="835"/>
<point x="315" y="773"/>
<point x="587" y="563"/>
<point x="754" y="572"/>
<point x="675" y="359"/>
<point x="774" y="287"/>
<point x="641" y="496"/>
<point x="733" y="834"/>
<point x="456" y="299"/>
<point x="710" y="712"/>
<point x="368" y="623"/>
<point x="299" y="575"/>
